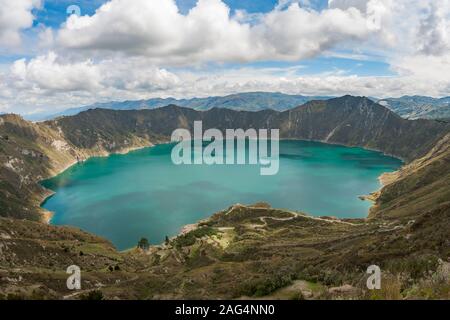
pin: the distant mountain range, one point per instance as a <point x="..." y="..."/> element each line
<point x="409" y="107"/>
<point x="251" y="101"/>
<point x="419" y="107"/>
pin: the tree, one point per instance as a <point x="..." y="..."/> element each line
<point x="143" y="244"/>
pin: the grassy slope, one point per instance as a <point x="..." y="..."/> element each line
<point x="242" y="251"/>
<point x="420" y="186"/>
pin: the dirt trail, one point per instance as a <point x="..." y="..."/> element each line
<point x="294" y="215"/>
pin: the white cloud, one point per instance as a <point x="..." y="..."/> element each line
<point x="47" y="73"/>
<point x="50" y="74"/>
<point x="414" y="35"/>
<point x="434" y="30"/>
<point x="345" y="4"/>
<point x="424" y="68"/>
<point x="136" y="74"/>
<point x="49" y="82"/>
<point x="297" y="33"/>
<point x="155" y="29"/>
<point x="328" y="83"/>
<point x="45" y="37"/>
<point x="15" y="16"/>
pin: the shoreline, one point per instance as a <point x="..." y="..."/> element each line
<point x="405" y="161"/>
<point x="47" y="215"/>
<point x="384" y="179"/>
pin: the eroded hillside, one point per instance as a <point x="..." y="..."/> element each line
<point x="33" y="151"/>
<point x="244" y="251"/>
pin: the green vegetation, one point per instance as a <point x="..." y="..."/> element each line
<point x="143" y="244"/>
<point x="263" y="287"/>
<point x="190" y="238"/>
<point x="92" y="295"/>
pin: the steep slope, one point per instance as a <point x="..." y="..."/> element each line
<point x="421" y="186"/>
<point x="31" y="152"/>
<point x="361" y="122"/>
<point x="34" y="258"/>
<point x="353" y="121"/>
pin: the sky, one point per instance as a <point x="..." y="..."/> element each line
<point x="52" y="58"/>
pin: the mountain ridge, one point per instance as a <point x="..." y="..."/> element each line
<point x="309" y="121"/>
<point x="257" y="250"/>
<point x="409" y="107"/>
<point x="247" y="101"/>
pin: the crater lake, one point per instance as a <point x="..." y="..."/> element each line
<point x="143" y="194"/>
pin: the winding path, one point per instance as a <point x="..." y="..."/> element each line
<point x="294" y="215"/>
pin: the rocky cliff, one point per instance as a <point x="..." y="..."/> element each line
<point x="354" y="121"/>
<point x="255" y="250"/>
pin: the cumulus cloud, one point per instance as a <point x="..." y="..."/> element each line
<point x="414" y="35"/>
<point x="411" y="26"/>
<point x="156" y="29"/>
<point x="296" y="33"/>
<point x="47" y="73"/>
<point x="49" y="81"/>
<point x="424" y="68"/>
<point x="434" y="30"/>
<point x="51" y="74"/>
<point x="15" y="16"/>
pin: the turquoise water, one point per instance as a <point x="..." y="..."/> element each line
<point x="142" y="194"/>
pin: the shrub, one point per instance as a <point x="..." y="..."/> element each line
<point x="92" y="295"/>
<point x="297" y="296"/>
<point x="260" y="288"/>
<point x="190" y="238"/>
